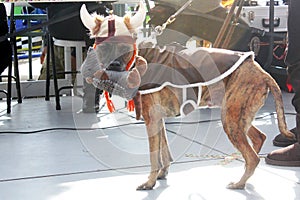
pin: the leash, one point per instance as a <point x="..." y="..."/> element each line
<point x="159" y="29"/>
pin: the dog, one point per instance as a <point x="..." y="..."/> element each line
<point x="240" y="94"/>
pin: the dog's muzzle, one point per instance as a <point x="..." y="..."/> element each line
<point x="115" y="66"/>
<point x="116" y="84"/>
<point x="115" y="81"/>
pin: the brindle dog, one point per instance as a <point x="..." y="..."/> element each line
<point x="240" y="95"/>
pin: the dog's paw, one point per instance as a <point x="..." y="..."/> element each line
<point x="146" y="186"/>
<point x="235" y="186"/>
<point x="133" y="79"/>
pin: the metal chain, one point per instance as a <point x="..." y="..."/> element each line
<point x="159" y="29"/>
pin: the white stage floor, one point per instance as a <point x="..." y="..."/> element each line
<point x="68" y="155"/>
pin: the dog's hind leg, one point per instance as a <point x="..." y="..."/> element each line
<point x="236" y="132"/>
<point x="257" y="138"/>
<point x="244" y="96"/>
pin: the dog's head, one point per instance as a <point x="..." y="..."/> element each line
<point x="109" y="64"/>
<point x="114" y="37"/>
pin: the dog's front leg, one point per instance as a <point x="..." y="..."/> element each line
<point x="160" y="156"/>
<point x="166" y="157"/>
<point x="154" y="147"/>
<point x="155" y="164"/>
<point x="154" y="123"/>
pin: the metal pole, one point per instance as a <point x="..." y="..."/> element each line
<point x="30" y="52"/>
<point x="271" y="40"/>
<point x="14" y="45"/>
<point x="224" y="27"/>
<point x="233" y="25"/>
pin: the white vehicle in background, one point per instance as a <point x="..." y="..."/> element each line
<point x="256" y="15"/>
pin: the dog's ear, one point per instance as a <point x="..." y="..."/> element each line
<point x="138" y="19"/>
<point x="93" y="23"/>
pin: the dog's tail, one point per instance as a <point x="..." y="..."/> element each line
<point x="275" y="90"/>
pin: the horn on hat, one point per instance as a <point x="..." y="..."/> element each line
<point x="138" y="19"/>
<point x="87" y="20"/>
